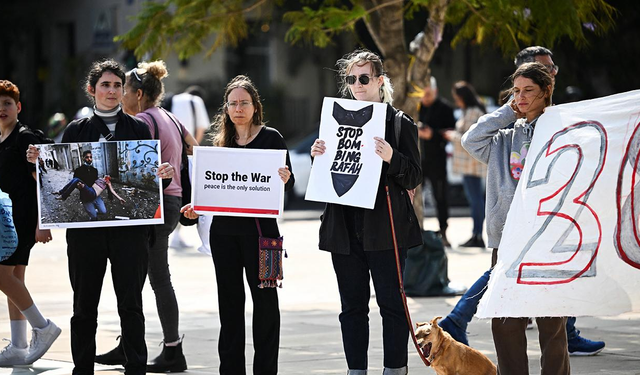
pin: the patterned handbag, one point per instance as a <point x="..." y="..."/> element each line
<point x="269" y="260"/>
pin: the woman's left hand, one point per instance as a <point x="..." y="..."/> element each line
<point x="165" y="170"/>
<point x="43" y="235"/>
<point x="32" y="154"/>
<point x="383" y="149"/>
<point x="284" y="173"/>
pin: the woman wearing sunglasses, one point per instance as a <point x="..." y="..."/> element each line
<point x="360" y="239"/>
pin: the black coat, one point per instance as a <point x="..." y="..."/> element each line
<point x="402" y="173"/>
<point x="128" y="128"/>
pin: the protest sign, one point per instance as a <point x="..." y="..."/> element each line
<point x="238" y="182"/>
<point x="99" y="184"/>
<point x="571" y="243"/>
<point x="348" y="172"/>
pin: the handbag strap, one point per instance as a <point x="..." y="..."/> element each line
<point x="402" y="293"/>
<point x="258" y="226"/>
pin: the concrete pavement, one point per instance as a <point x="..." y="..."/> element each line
<point x="310" y="336"/>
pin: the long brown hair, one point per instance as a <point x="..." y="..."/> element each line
<point x="539" y="74"/>
<point x="224" y="129"/>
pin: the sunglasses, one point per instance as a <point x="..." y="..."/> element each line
<point x="351" y="80"/>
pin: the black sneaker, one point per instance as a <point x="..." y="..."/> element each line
<point x="114" y="357"/>
<point x="474" y="241"/>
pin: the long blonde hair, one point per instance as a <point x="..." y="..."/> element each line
<point x="360" y="57"/>
<point x="224" y="129"/>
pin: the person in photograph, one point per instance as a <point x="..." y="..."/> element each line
<point x="18" y="179"/>
<point x="143" y="93"/>
<point x="234" y="241"/>
<point x="494" y="140"/>
<point x="360" y="240"/>
<point x="87" y="193"/>
<point x="126" y="248"/>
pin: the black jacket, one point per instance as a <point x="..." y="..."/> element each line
<point x="439" y="116"/>
<point x="128" y="128"/>
<point x="402" y="173"/>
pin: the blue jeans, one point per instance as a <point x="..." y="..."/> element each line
<point x="352" y="272"/>
<point x="474" y="191"/>
<point x="94" y="207"/>
<point x="87" y="193"/>
<point x="467" y="306"/>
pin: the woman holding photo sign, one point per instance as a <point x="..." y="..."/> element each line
<point x="234" y="240"/>
<point x="126" y="247"/>
<point x="360" y="240"/>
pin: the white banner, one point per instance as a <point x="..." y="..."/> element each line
<point x="348" y="172"/>
<point x="571" y="243"/>
<point x="237" y="182"/>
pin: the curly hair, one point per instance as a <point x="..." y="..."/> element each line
<point x="98" y="68"/>
<point x="7" y="88"/>
<point x="225" y="131"/>
<point x="148" y="77"/>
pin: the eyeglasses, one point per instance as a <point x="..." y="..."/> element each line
<point x="135" y="73"/>
<point x="552" y="67"/>
<point x="241" y="104"/>
<point x="351" y="80"/>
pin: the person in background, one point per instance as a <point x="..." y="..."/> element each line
<point x="143" y="92"/>
<point x="234" y="241"/>
<point x="190" y="109"/>
<point x="360" y="240"/>
<point x="472" y="170"/>
<point x="436" y="117"/>
<point x="18" y="179"/>
<point x="126" y="248"/>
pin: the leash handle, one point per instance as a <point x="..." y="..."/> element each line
<point x="401" y="283"/>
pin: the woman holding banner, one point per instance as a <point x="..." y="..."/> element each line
<point x="360" y="240"/>
<point x="501" y="140"/>
<point x="90" y="248"/>
<point x="234" y="240"/>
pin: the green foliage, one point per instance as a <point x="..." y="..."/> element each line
<point x="183" y="25"/>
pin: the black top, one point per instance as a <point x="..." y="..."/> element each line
<point x="373" y="226"/>
<point x="439" y="116"/>
<point x="267" y="139"/>
<point x="16" y="177"/>
<point x="87" y="174"/>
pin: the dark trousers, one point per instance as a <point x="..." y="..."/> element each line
<point x="435" y="170"/>
<point x="352" y="272"/>
<point x="88" y="251"/>
<point x="159" y="275"/>
<point x="232" y="254"/>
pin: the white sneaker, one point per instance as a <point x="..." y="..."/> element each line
<point x="41" y="340"/>
<point x="13" y="356"/>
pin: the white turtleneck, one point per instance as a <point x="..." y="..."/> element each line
<point x="109" y="117"/>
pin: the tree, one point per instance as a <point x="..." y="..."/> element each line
<point x="183" y="25"/>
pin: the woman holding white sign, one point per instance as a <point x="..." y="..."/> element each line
<point x="234" y="241"/>
<point x="501" y="140"/>
<point x="360" y="240"/>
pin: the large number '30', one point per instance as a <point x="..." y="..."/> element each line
<point x="566" y="207"/>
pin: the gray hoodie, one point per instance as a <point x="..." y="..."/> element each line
<point x="504" y="151"/>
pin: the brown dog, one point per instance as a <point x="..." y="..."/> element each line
<point x="449" y="357"/>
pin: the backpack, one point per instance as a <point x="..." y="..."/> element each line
<point x="39" y="134"/>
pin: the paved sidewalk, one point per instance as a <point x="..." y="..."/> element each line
<point x="310" y="337"/>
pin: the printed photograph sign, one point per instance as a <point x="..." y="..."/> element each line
<point x="99" y="184"/>
<point x="348" y="172"/>
<point x="237" y="182"/>
<point x="571" y="243"/>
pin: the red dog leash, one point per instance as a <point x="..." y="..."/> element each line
<point x="404" y="296"/>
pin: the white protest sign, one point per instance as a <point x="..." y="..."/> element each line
<point x="237" y="182"/>
<point x="571" y="243"/>
<point x="348" y="172"/>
